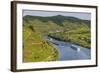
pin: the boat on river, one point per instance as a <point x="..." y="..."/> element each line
<point x="75" y="48"/>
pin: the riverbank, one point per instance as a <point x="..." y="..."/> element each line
<point x="71" y="41"/>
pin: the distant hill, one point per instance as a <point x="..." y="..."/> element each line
<point x="58" y="19"/>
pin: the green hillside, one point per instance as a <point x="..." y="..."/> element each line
<point x="77" y="33"/>
<point x="59" y="19"/>
<point x="35" y="49"/>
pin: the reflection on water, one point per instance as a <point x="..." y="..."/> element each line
<point x="68" y="51"/>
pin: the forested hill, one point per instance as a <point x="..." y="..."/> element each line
<point x="58" y="19"/>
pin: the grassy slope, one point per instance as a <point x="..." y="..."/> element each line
<point x="75" y="33"/>
<point x="35" y="48"/>
<point x="44" y="27"/>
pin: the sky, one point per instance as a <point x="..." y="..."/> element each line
<point x="81" y="15"/>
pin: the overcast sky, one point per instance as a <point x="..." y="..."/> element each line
<point x="81" y="15"/>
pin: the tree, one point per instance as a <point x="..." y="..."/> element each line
<point x="32" y="28"/>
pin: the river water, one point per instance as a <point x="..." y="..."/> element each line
<point x="69" y="51"/>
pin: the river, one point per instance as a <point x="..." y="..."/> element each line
<point x="69" y="51"/>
